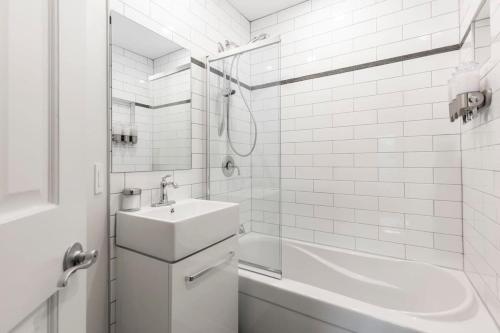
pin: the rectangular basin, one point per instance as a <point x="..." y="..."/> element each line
<point x="171" y="233"/>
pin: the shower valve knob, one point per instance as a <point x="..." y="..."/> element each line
<point x="228" y="166"/>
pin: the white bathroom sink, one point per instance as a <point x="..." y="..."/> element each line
<point x="174" y="232"/>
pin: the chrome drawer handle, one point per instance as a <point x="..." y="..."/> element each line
<point x="194" y="277"/>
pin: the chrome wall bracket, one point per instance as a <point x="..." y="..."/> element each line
<point x="468" y="105"/>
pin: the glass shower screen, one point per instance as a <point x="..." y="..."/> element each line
<point x="244" y="146"/>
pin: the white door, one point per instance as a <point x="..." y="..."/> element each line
<point x="42" y="168"/>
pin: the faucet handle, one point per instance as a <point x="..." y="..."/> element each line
<point x="168" y="182"/>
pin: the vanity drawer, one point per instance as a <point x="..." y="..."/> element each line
<point x="204" y="294"/>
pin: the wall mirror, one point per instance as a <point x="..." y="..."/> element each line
<point x="150" y="100"/>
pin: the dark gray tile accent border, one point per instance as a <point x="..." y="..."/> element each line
<point x="361" y="66"/>
<point x="198" y="62"/>
<point x="163" y="105"/>
<point x="219" y="73"/>
<point x="462" y="42"/>
<point x="186" y="101"/>
<point x="142" y="105"/>
<point x="376" y="63"/>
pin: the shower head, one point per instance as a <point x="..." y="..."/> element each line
<point x="230" y="44"/>
<point x="229" y="93"/>
<point x="262" y="36"/>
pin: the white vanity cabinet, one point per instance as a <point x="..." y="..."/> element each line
<point x="195" y="295"/>
<point x="177" y="268"/>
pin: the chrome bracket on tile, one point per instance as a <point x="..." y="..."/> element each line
<point x="468" y="105"/>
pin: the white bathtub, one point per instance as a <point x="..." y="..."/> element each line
<point x="327" y="290"/>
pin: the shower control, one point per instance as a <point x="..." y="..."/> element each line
<point x="228" y="166"/>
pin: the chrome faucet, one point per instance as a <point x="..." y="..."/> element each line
<point x="165" y="182"/>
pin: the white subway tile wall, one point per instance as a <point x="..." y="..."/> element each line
<point x="171" y="125"/>
<point x="370" y="160"/>
<point x="175" y="87"/>
<point x="468" y="10"/>
<point x="265" y="161"/>
<point x="137" y="157"/>
<point x="130" y="83"/>
<point x="197" y="25"/>
<point x="482" y="40"/>
<point x="322" y="35"/>
<point x="481" y="175"/>
<point x="130" y="76"/>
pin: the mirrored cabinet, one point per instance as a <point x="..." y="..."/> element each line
<point x="151" y="99"/>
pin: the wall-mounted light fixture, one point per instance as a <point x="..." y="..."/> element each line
<point x="466" y="99"/>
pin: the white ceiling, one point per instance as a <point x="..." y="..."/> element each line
<point x="139" y="39"/>
<point x="255" y="9"/>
